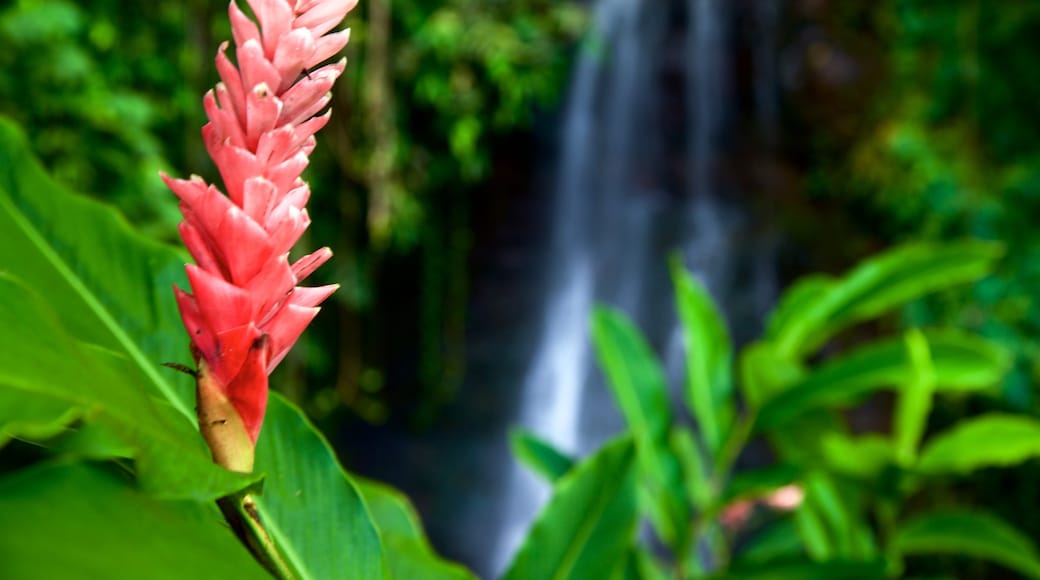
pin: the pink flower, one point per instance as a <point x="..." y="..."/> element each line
<point x="246" y="309"/>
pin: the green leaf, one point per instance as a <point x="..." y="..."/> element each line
<point x="862" y="457"/>
<point x="800" y="569"/>
<point x="310" y="506"/>
<point x="539" y="455"/>
<point x="585" y="529"/>
<point x="709" y="358"/>
<point x="818" y="310"/>
<point x="915" y="400"/>
<point x="779" y="540"/>
<point x="638" y="384"/>
<point x="695" y="473"/>
<point x="48" y="378"/>
<point x="109" y="286"/>
<point x="993" y="440"/>
<point x="961" y="362"/>
<point x="642" y="565"/>
<point x="968" y="533"/>
<point x="79" y="521"/>
<point x="764" y="373"/>
<point x="409" y="553"/>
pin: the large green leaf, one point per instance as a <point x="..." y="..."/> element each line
<point x="818" y="309"/>
<point x="961" y="362"/>
<point x="109" y="286"/>
<point x="410" y="553"/>
<point x="638" y="384"/>
<point x="79" y="521"/>
<point x="539" y="455"/>
<point x="48" y="378"/>
<point x="92" y="347"/>
<point x="310" y="506"/>
<point x="968" y="533"/>
<point x="986" y="441"/>
<point x="589" y="523"/>
<point x="709" y="358"/>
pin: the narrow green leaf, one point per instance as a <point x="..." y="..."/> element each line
<point x="915" y="400"/>
<point x="539" y="455"/>
<point x="409" y="553"/>
<point x="993" y="440"/>
<point x="41" y="367"/>
<point x="637" y="381"/>
<point x="968" y="533"/>
<point x="79" y="521"/>
<point x="585" y="529"/>
<point x="709" y="357"/>
<point x="820" y="310"/>
<point x="695" y="474"/>
<point x="961" y="362"/>
<point x="310" y="506"/>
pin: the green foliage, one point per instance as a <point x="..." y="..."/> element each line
<point x="538" y="455"/>
<point x="709" y="383"/>
<point x="310" y="505"/>
<point x="835" y="503"/>
<point x="638" y="383"/>
<point x="588" y="523"/>
<point x="79" y="374"/>
<point x="945" y="149"/>
<point x="81" y="520"/>
<point x="961" y="362"/>
<point x="402" y="534"/>
<point x="968" y="533"/>
<point x="93" y="111"/>
<point x="987" y="441"/>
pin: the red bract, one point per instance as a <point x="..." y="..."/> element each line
<point x="246" y="310"/>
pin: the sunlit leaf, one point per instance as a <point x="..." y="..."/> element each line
<point x="637" y="381"/>
<point x="587" y="526"/>
<point x="819" y="310"/>
<point x="915" y="399"/>
<point x="709" y="358"/>
<point x="961" y="362"/>
<point x="310" y="506"/>
<point x="994" y="440"/>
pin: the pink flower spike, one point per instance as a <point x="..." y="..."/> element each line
<point x="246" y="307"/>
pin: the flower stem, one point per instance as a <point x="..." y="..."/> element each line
<point x="240" y="512"/>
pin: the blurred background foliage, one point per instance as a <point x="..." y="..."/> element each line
<point x="946" y="149"/>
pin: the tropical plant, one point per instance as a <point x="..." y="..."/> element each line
<point x="89" y="319"/>
<point x="833" y="501"/>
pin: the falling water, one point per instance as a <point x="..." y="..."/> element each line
<point x="637" y="178"/>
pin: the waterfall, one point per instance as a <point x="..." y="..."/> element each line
<point x="647" y="108"/>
